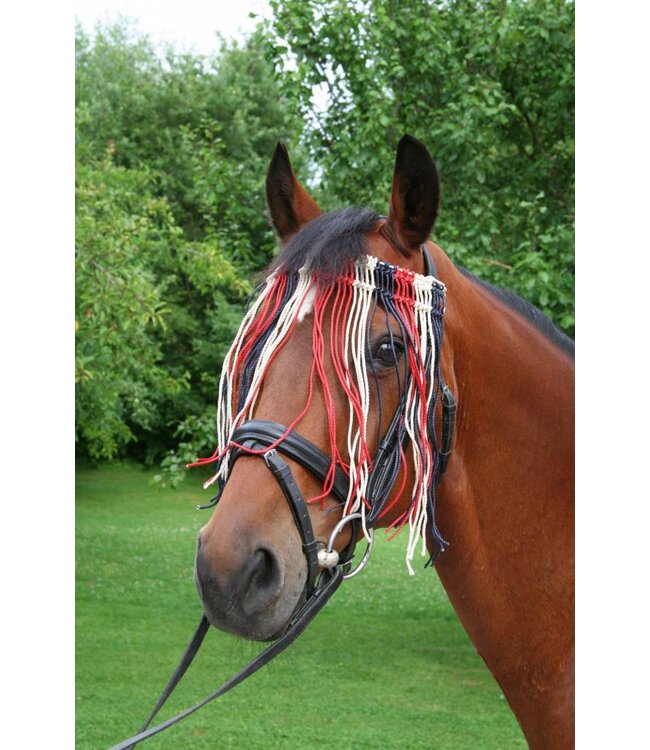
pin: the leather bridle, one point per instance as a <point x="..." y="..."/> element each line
<point x="322" y="580"/>
<point x="258" y="434"/>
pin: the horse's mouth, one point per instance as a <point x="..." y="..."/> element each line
<point x="226" y="611"/>
<point x="246" y="628"/>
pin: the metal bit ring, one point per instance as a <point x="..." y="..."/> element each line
<point x="364" y="558"/>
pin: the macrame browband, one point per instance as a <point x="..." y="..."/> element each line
<point x="413" y="307"/>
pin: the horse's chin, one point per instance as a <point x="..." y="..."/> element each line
<point x="261" y="629"/>
<point x="268" y="624"/>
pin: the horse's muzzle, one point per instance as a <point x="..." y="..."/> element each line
<point x="248" y="600"/>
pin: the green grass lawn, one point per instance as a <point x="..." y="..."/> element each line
<point x="385" y="665"/>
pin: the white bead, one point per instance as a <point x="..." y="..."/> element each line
<point x="327" y="559"/>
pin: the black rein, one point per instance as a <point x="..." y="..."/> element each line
<point x="258" y="435"/>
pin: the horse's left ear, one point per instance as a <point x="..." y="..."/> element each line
<point x="290" y="205"/>
<point x="416" y="195"/>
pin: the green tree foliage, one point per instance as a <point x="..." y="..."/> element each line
<point x="172" y="152"/>
<point x="120" y="306"/>
<point x="486" y="84"/>
<point x="171" y="228"/>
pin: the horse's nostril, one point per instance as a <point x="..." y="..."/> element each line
<point x="263" y="568"/>
<point x="240" y="595"/>
<point x="261" y="581"/>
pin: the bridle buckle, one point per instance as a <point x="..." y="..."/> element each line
<point x="269" y="455"/>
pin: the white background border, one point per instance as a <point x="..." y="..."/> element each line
<point x="613" y="383"/>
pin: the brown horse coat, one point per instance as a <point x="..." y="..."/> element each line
<point x="505" y="504"/>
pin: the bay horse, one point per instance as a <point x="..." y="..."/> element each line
<point x="504" y="507"/>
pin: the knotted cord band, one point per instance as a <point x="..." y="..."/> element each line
<point x="413" y="306"/>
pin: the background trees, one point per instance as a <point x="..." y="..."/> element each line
<point x="171" y="228"/>
<point x="488" y="86"/>
<point x="172" y="152"/>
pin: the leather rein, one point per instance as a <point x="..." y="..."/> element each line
<point x="326" y="568"/>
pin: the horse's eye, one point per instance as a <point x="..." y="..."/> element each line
<point x="386" y="353"/>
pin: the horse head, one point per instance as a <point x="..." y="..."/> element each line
<point x="341" y="357"/>
<point x="327" y="353"/>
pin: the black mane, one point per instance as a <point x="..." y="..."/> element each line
<point x="528" y="311"/>
<point x="329" y="242"/>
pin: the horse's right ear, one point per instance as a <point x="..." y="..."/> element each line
<point x="415" y="197"/>
<point x="290" y="205"/>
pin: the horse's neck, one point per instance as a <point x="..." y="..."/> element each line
<point x="506" y="505"/>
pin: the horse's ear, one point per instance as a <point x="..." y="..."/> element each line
<point x="290" y="205"/>
<point x="416" y="195"/>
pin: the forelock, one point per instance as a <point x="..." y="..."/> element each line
<point x="329" y="243"/>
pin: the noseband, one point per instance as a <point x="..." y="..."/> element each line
<point x="326" y="568"/>
<point x="257" y="434"/>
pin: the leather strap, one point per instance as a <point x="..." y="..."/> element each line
<point x="311" y="608"/>
<point x="429" y="267"/>
<point x="448" y="424"/>
<point x="295" y="446"/>
<point x="259" y="433"/>
<point x="299" y="510"/>
<point x="186" y="660"/>
<point x="448" y="400"/>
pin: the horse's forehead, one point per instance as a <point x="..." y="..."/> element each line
<point x="378" y="245"/>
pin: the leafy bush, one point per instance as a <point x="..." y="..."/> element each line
<point x="121" y="305"/>
<point x="172" y="152"/>
<point x="487" y="86"/>
<point x="171" y="159"/>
